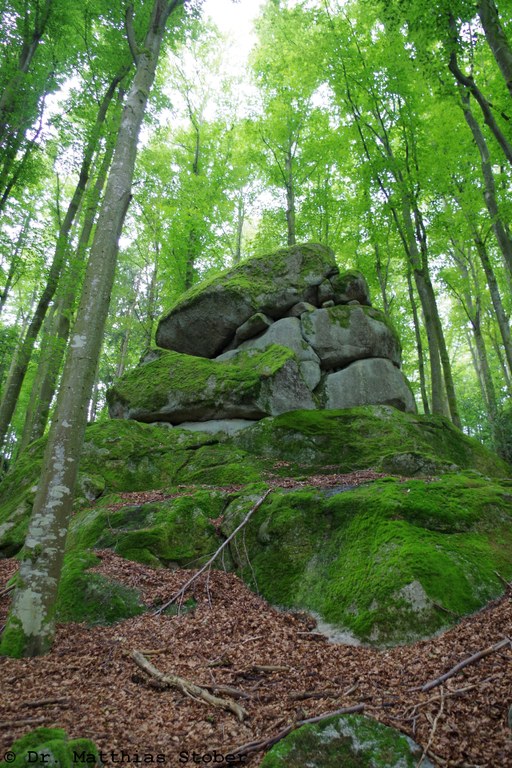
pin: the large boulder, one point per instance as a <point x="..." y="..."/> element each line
<point x="373" y="559"/>
<point x="205" y="320"/>
<point x="341" y="334"/>
<point x="182" y="388"/>
<point x="375" y="381"/>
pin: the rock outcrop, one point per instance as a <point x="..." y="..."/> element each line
<point x="274" y="334"/>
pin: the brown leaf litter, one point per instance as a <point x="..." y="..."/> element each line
<point x="280" y="670"/>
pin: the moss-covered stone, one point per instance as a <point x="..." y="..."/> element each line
<point x="205" y="319"/>
<point x="176" y="532"/>
<point x="350" y="741"/>
<point x="52" y="747"/>
<point x="364" y="437"/>
<point x="91" y="597"/>
<point x="376" y="559"/>
<point x="176" y="387"/>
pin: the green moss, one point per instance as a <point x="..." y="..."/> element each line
<point x="91" y="597"/>
<point x="350" y="741"/>
<point x="177" y="531"/>
<point x="147" y="387"/>
<point x="13" y="640"/>
<point x="366" y="437"/>
<point x="253" y="277"/>
<point x="377" y="559"/>
<point x="50" y="747"/>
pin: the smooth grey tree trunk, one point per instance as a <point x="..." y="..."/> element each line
<point x="31" y="622"/>
<point x="53" y="351"/>
<point x="498" y="225"/>
<point x="21" y="362"/>
<point x="497" y="39"/>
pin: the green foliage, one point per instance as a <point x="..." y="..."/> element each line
<point x="51" y="746"/>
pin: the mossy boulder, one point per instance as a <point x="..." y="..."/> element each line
<point x="374" y="559"/>
<point x="176" y="388"/>
<point x="205" y="319"/>
<point x="378" y="437"/>
<point x="350" y="741"/>
<point x="52" y="747"/>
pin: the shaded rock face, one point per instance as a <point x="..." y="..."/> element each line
<point x="331" y="349"/>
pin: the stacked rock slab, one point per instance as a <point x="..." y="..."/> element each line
<point x="276" y="333"/>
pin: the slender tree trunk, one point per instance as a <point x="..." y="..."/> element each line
<point x="419" y="344"/>
<point x="498" y="349"/>
<point x="20" y="366"/>
<point x="45" y="383"/>
<point x="501" y="317"/>
<point x="502" y="236"/>
<point x="497" y="39"/>
<point x="469" y="83"/>
<point x="30" y="625"/>
<point x="240" y="210"/>
<point x="15" y="260"/>
<point x="290" y="198"/>
<point x="10" y="93"/>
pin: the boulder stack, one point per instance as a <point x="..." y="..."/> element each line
<point x="276" y="333"/>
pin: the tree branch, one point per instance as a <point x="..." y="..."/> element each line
<point x="224" y="544"/>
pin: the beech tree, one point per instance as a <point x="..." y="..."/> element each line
<point x="30" y="626"/>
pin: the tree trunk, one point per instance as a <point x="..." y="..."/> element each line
<point x="290" y="198"/>
<point x="419" y="344"/>
<point x="50" y="365"/>
<point x="469" y="83"/>
<point x="15" y="260"/>
<point x="20" y="365"/>
<point x="497" y="39"/>
<point x="31" y="622"/>
<point x="501" y="317"/>
<point x="13" y="87"/>
<point x="502" y="236"/>
<point x="240" y="210"/>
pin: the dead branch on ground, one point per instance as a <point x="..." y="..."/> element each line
<point x="186" y="687"/>
<point x="471" y="660"/>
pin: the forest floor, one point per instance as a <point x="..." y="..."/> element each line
<point x="281" y="669"/>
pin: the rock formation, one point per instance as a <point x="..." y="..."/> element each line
<point x="274" y="334"/>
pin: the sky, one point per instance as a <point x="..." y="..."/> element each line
<point x="235" y="19"/>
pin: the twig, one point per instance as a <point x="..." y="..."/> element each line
<point x="471" y="660"/>
<point x="258" y="746"/>
<point x="433" y="729"/>
<point x="188" y="688"/>
<point x="236" y="693"/>
<point x="327" y="694"/>
<point x="26" y="721"/>
<point x="506" y="584"/>
<point x="214" y="556"/>
<point x="45" y="702"/>
<point x="7" y="590"/>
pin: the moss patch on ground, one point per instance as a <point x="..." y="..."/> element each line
<point x="351" y="741"/>
<point x="51" y="747"/>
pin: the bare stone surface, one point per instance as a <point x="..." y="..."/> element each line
<point x="375" y="381"/>
<point x="342" y="334"/>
